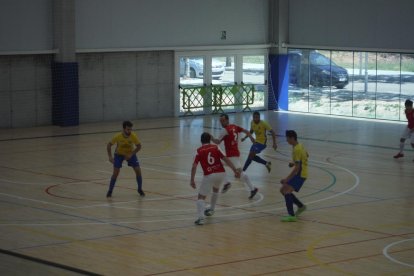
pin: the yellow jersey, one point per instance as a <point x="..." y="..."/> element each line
<point x="300" y="155"/>
<point x="125" y="145"/>
<point x="260" y="131"/>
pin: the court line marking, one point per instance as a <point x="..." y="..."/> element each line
<point x="36" y="200"/>
<point x="48" y="263"/>
<point x="388" y="256"/>
<point x="219" y="216"/>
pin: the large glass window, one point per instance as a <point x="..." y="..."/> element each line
<point x="222" y="73"/>
<point x="364" y="85"/>
<point x="222" y="70"/>
<point x="320" y="79"/>
<point x="191" y="69"/>
<point x="341" y="94"/>
<point x="388" y="86"/>
<point x="350" y="83"/>
<point x="220" y="81"/>
<point x="407" y="81"/>
<point x="299" y="80"/>
<point x="253" y="69"/>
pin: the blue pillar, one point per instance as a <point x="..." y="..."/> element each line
<point x="65" y="94"/>
<point x="278" y="82"/>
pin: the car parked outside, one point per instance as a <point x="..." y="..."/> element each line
<point x="196" y="68"/>
<point x="322" y="70"/>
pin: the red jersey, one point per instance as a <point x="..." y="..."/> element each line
<point x="231" y="140"/>
<point x="209" y="156"/>
<point x="410" y="118"/>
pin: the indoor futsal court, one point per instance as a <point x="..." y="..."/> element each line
<point x="56" y="219"/>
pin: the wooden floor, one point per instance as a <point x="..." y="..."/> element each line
<point x="56" y="220"/>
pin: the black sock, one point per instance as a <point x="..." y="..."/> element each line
<point x="297" y="201"/>
<point x="289" y="204"/>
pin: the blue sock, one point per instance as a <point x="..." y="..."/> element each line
<point x="247" y="164"/>
<point x="139" y="182"/>
<point x="289" y="204"/>
<point x="112" y="184"/>
<point x="258" y="159"/>
<point x="297" y="201"/>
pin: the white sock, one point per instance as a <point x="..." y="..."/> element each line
<point x="214" y="197"/>
<point x="246" y="180"/>
<point x="201" y="205"/>
<point x="402" y="147"/>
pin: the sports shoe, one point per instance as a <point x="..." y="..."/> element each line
<point x="200" y="221"/>
<point x="109" y="194"/>
<point x="301" y="210"/>
<point x="253" y="193"/>
<point x="208" y="212"/>
<point x="268" y="166"/>
<point x="398" y="155"/>
<point x="141" y="193"/>
<point x="288" y="219"/>
<point x="226" y="187"/>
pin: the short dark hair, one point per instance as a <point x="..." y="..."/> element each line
<point x="205" y="138"/>
<point x="291" y="134"/>
<point x="408" y="103"/>
<point x="256" y="113"/>
<point x="225" y="116"/>
<point x="127" y="124"/>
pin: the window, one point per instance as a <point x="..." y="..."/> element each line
<point x="350" y="83"/>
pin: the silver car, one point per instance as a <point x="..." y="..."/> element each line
<point x="196" y="68"/>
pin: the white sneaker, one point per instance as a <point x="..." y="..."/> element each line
<point x="209" y="212"/>
<point x="200" y="221"/>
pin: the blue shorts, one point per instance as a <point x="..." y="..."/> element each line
<point x="257" y="148"/>
<point x="296" y="182"/>
<point x="132" y="162"/>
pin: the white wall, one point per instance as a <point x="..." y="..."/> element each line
<point x="163" y="23"/>
<point x="120" y="86"/>
<point x="25" y="90"/>
<point x="381" y="24"/>
<point x="26" y="25"/>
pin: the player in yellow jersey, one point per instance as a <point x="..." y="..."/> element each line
<point x="127" y="146"/>
<point x="296" y="178"/>
<point x="260" y="129"/>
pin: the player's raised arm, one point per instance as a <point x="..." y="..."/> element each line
<point x="215" y="140"/>
<point x="247" y="135"/>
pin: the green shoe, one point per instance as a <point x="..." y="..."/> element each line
<point x="269" y="166"/>
<point x="301" y="210"/>
<point x="288" y="219"/>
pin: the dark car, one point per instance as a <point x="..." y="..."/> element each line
<point x="322" y="71"/>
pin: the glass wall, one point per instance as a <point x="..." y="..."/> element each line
<point x="221" y="81"/>
<point x="350" y="83"/>
<point x="253" y="69"/>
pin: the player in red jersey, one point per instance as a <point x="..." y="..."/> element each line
<point x="409" y="130"/>
<point x="209" y="156"/>
<point x="230" y="136"/>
